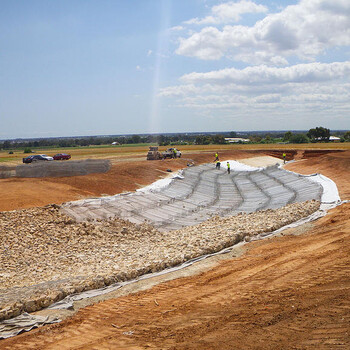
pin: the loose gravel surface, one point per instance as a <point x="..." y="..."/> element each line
<point x="45" y="255"/>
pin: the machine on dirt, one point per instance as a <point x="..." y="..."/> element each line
<point x="172" y="153"/>
<point x="153" y="153"/>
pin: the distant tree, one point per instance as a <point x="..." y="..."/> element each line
<point x="218" y="139"/>
<point x="267" y="139"/>
<point x="161" y="140"/>
<point x="65" y="143"/>
<point x="287" y="136"/>
<point x="347" y="136"/>
<point x="233" y="134"/>
<point x="136" y="139"/>
<point x="27" y="150"/>
<point x="299" y="138"/>
<point x="203" y="140"/>
<point x="6" y="144"/>
<point x="255" y="138"/>
<point x="319" y="134"/>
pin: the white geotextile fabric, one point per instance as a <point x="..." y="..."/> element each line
<point x="330" y="191"/>
<point x="159" y="184"/>
<point x="24" y="323"/>
<point x="237" y="166"/>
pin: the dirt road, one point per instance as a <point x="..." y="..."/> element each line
<point x="287" y="292"/>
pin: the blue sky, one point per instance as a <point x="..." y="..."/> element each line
<point x="83" y="67"/>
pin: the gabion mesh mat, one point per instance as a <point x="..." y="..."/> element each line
<point x="200" y="193"/>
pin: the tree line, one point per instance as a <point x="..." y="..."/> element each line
<point x="318" y="134"/>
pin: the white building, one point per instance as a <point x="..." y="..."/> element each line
<point x="235" y="139"/>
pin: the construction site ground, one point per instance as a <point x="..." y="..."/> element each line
<point x="286" y="292"/>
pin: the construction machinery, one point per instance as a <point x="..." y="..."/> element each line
<point x="172" y="153"/>
<point x="153" y="153"/>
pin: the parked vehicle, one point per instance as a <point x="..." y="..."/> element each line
<point x="172" y="153"/>
<point x="36" y="157"/>
<point x="62" y="156"/>
<point x="153" y="153"/>
<point x="27" y="159"/>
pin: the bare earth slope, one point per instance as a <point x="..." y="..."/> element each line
<point x="288" y="292"/>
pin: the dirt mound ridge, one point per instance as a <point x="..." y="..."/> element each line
<point x="317" y="153"/>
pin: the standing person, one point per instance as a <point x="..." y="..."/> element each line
<point x="218" y="164"/>
<point x="175" y="155"/>
<point x="284" y="158"/>
<point x="216" y="157"/>
<point x="228" y="168"/>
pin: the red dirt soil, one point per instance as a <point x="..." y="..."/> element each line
<point x="287" y="292"/>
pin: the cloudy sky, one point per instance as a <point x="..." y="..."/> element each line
<point x="97" y="67"/>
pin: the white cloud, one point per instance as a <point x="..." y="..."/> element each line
<point x="176" y="28"/>
<point x="304" y="30"/>
<point x="149" y="52"/>
<point x="268" y="98"/>
<point x="178" y="90"/>
<point x="301" y="73"/>
<point x="229" y="12"/>
<point x="300" y="91"/>
<point x="138" y="68"/>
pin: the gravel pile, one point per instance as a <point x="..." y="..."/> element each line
<point x="45" y="255"/>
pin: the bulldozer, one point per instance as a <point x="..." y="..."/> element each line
<point x="153" y="153"/>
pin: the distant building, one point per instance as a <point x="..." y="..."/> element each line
<point x="235" y="139"/>
<point x="115" y="143"/>
<point x="334" y="139"/>
<point x="331" y="139"/>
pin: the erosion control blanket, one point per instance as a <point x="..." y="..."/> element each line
<point x="330" y="191"/>
<point x="23" y="323"/>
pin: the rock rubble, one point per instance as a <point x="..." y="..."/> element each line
<point x="45" y="255"/>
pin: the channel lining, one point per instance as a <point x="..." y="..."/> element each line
<point x="199" y="194"/>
